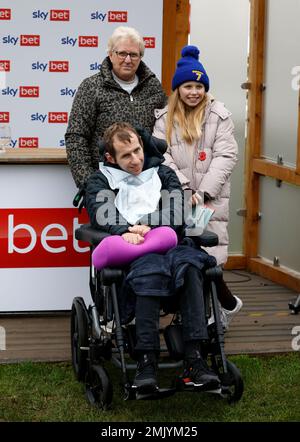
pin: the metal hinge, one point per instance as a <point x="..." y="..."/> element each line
<point x="246" y="85"/>
<point x="241" y="212"/>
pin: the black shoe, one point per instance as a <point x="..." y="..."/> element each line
<point x="198" y="374"/>
<point x="145" y="377"/>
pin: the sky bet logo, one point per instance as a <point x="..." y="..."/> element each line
<point x="68" y="92"/>
<point x="5" y="14"/>
<point x="9" y="91"/>
<point x="53" y="117"/>
<point x="29" y="40"/>
<point x="4" y="117"/>
<point x="54" y="66"/>
<point x="41" y="238"/>
<point x="10" y="40"/>
<point x="95" y="66"/>
<point x="55" y="15"/>
<point x="29" y="92"/>
<point x="4" y="65"/>
<point x="28" y="142"/>
<point x="24" y="91"/>
<point x="25" y="40"/>
<point x="84" y="41"/>
<point x="149" y="42"/>
<point x="58" y="66"/>
<point x="112" y="16"/>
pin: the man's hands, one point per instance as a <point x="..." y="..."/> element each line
<point x="140" y="229"/>
<point x="133" y="238"/>
<point x="136" y="234"/>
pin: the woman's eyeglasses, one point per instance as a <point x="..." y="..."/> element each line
<point x="122" y="55"/>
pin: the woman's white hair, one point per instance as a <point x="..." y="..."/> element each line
<point x="125" y="33"/>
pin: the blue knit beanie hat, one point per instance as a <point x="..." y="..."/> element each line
<point x="189" y="68"/>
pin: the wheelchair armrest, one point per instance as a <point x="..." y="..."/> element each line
<point x="109" y="276"/>
<point x="87" y="233"/>
<point x="206" y="239"/>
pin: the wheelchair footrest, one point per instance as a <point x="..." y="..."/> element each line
<point x="159" y="393"/>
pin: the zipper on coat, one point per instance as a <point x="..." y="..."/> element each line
<point x="131" y="97"/>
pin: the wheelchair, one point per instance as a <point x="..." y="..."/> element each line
<point x="98" y="336"/>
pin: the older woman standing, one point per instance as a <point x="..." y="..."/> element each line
<point x="202" y="150"/>
<point x="125" y="89"/>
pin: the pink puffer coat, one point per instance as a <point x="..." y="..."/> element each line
<point x="211" y="175"/>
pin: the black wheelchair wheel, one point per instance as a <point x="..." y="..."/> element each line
<point x="99" y="389"/>
<point x="233" y="383"/>
<point x="79" y="338"/>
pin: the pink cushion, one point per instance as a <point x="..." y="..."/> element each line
<point x="114" y="251"/>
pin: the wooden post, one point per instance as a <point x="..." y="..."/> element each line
<point x="169" y="43"/>
<point x="175" y="36"/>
<point x="254" y="131"/>
<point x="182" y="26"/>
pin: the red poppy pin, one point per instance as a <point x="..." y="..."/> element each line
<point x="202" y="155"/>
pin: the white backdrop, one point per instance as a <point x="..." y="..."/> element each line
<point x="44" y="269"/>
<point x="47" y="47"/>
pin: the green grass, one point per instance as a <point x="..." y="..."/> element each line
<point x="49" y="392"/>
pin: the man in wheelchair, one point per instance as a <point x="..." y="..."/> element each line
<point x="128" y="197"/>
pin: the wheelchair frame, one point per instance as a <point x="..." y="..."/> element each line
<point x="92" y="342"/>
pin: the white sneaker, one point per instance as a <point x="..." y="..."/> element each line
<point x="211" y="319"/>
<point x="227" y="315"/>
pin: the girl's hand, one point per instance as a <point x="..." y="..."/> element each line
<point x="195" y="199"/>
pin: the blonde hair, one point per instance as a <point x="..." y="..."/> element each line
<point x="189" y="120"/>
<point x="125" y="33"/>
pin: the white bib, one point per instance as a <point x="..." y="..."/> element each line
<point x="138" y="195"/>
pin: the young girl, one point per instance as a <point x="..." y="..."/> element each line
<point x="203" y="152"/>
